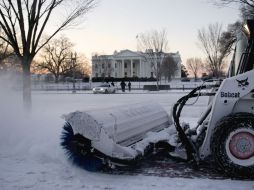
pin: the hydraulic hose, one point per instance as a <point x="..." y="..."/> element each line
<point x="177" y="109"/>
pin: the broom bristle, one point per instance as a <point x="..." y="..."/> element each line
<point x="80" y="156"/>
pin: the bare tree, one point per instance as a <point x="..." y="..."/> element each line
<point x="169" y="67"/>
<point x="246" y="6"/>
<point x="8" y="60"/>
<point x="81" y="68"/>
<point x="209" y="42"/>
<point x="56" y="56"/>
<point x="5" y="52"/>
<point x="228" y="38"/>
<point x="195" y="65"/>
<point x="184" y="72"/>
<point x="154" y="44"/>
<point x="24" y="22"/>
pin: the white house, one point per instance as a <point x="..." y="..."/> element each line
<point x="128" y="63"/>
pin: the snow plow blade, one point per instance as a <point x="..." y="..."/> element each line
<point x="118" y="136"/>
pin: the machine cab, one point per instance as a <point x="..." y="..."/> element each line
<point x="243" y="58"/>
<point x="234" y="99"/>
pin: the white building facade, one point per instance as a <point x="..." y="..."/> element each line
<point x="129" y="64"/>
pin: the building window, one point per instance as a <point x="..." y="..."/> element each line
<point x="151" y="74"/>
<point x="109" y="65"/>
<point x="96" y="66"/>
<point x="125" y="74"/>
<point x="125" y="65"/>
<point x="109" y="75"/>
<point x="102" y="65"/>
<point x="115" y="74"/>
<point x="96" y="75"/>
<point x="133" y="65"/>
<point x="115" y="65"/>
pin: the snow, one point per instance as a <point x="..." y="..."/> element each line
<point x="111" y="130"/>
<point x="31" y="157"/>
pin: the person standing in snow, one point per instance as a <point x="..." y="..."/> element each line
<point x="129" y="86"/>
<point x="123" y="86"/>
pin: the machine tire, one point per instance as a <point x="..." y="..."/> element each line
<point x="106" y="91"/>
<point x="232" y="144"/>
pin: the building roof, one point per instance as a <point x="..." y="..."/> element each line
<point x="127" y="53"/>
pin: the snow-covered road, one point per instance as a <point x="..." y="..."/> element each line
<point x="31" y="158"/>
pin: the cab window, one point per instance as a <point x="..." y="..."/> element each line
<point x="241" y="46"/>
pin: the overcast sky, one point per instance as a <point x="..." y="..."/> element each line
<point x="114" y="24"/>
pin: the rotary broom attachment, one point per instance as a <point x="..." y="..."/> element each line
<point x="116" y="137"/>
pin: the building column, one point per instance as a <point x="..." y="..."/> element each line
<point x="131" y="68"/>
<point x="122" y="68"/>
<point x="140" y="69"/>
<point x="114" y="68"/>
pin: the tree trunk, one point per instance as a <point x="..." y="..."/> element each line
<point x="27" y="98"/>
<point x="169" y="78"/>
<point x="157" y="83"/>
<point x="56" y="78"/>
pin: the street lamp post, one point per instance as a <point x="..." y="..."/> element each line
<point x="73" y="60"/>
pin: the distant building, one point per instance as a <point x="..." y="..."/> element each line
<point x="128" y="63"/>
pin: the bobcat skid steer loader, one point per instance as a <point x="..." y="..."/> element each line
<point x="121" y="136"/>
<point x="225" y="131"/>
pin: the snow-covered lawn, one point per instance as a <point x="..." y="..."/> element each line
<point x="31" y="158"/>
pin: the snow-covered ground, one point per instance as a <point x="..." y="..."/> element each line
<point x="31" y="157"/>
